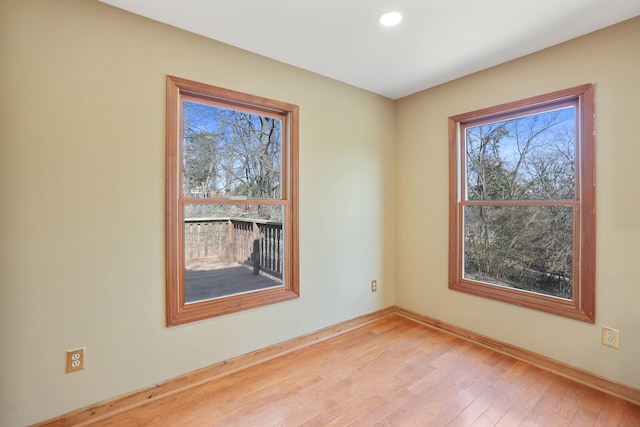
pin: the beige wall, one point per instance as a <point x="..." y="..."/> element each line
<point x="82" y="190"/>
<point x="611" y="59"/>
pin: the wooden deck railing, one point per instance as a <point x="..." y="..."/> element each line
<point x="255" y="243"/>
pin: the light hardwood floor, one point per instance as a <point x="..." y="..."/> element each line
<point x="391" y="372"/>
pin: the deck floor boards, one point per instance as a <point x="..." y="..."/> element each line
<point x="207" y="284"/>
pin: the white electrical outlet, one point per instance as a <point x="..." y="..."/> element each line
<point x="610" y="337"/>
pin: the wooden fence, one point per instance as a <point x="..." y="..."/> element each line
<point x="255" y="243"/>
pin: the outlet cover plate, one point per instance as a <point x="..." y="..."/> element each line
<point x="75" y="360"/>
<point x="610" y="337"/>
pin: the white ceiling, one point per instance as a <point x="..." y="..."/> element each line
<point x="437" y="41"/>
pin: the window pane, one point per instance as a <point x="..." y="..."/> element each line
<point x="526" y="158"/>
<point x="227" y="153"/>
<point x="232" y="249"/>
<point x="523" y="247"/>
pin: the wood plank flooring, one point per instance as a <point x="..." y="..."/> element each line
<point x="391" y="372"/>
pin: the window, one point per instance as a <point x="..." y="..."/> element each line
<point x="231" y="201"/>
<point x="522" y="203"/>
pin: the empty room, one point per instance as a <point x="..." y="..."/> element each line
<point x="281" y="213"/>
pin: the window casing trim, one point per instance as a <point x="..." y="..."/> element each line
<point x="177" y="311"/>
<point x="582" y="305"/>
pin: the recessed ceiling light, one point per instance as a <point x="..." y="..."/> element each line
<point x="390" y="19"/>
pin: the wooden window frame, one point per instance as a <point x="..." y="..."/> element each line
<point x="582" y="304"/>
<point x="177" y="311"/>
